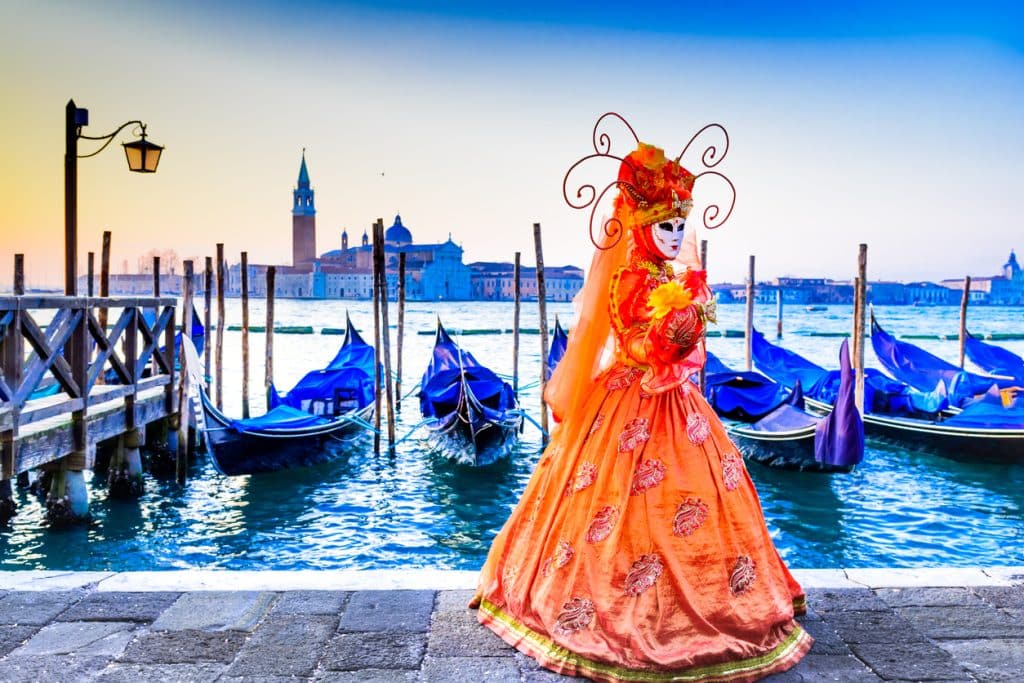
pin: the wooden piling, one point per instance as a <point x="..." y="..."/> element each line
<point x="862" y="288"/>
<point x="543" y="313"/>
<point x="156" y="276"/>
<point x="401" y="331"/>
<point x="269" y="358"/>
<point x="184" y="442"/>
<point x="963" y="318"/>
<point x="13" y="368"/>
<point x="702" y="375"/>
<point x="104" y="278"/>
<point x="19" y="274"/>
<point x="207" y="294"/>
<point x="90" y="273"/>
<point x="385" y="331"/>
<point x="376" y="344"/>
<point x="517" y="296"/>
<point x="854" y="336"/>
<point x="218" y="360"/>
<point x="748" y="338"/>
<point x="245" y="334"/>
<point x="778" y="312"/>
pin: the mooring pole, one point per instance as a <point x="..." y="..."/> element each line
<point x="748" y="338"/>
<point x="245" y="334"/>
<point x="269" y="362"/>
<point x="376" y="344"/>
<point x="104" y="279"/>
<point x="862" y="277"/>
<point x="386" y="333"/>
<point x="517" y="296"/>
<point x="90" y="273"/>
<point x="184" y="442"/>
<point x="401" y="330"/>
<point x="963" y="317"/>
<point x="543" y="312"/>
<point x="218" y="360"/>
<point x="207" y="294"/>
<point x="778" y="312"/>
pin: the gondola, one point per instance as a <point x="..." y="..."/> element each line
<point x="923" y="370"/>
<point x="990" y="429"/>
<point x="772" y="426"/>
<point x="283" y="438"/>
<point x="325" y="404"/>
<point x="559" y="343"/>
<point x="472" y="415"/>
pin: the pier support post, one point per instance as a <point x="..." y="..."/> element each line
<point x="125" y="476"/>
<point x="8" y="508"/>
<point x="68" y="501"/>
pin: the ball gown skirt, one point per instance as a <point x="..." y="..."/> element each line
<point x="639" y="551"/>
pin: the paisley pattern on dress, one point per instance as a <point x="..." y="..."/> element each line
<point x="697" y="428"/>
<point x="732" y="471"/>
<point x="586" y="474"/>
<point x="636" y="433"/>
<point x="576" y="614"/>
<point x="690" y="514"/>
<point x="648" y="474"/>
<point x="643" y="574"/>
<point x="743" y="574"/>
<point x="563" y="553"/>
<point x="621" y="377"/>
<point x="598" y="421"/>
<point x="602" y="524"/>
<point x="508" y="580"/>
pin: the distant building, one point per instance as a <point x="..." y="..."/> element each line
<point x="495" y="281"/>
<point x="1005" y="289"/>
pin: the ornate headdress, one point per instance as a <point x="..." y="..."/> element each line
<point x="652" y="188"/>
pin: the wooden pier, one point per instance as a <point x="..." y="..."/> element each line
<point x="108" y="382"/>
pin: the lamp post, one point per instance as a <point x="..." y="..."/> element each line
<point x="142" y="155"/>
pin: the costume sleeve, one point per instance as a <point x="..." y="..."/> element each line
<point x="642" y="340"/>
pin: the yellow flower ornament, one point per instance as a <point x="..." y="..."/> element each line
<point x="668" y="297"/>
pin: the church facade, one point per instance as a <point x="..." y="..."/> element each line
<point x="434" y="272"/>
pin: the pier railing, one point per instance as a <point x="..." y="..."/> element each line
<point x="69" y="381"/>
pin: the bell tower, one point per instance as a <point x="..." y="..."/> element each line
<point x="303" y="218"/>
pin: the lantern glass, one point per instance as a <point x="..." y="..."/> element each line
<point x="143" y="156"/>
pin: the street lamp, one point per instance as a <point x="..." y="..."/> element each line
<point x="143" y="157"/>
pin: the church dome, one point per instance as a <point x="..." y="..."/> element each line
<point x="398" y="234"/>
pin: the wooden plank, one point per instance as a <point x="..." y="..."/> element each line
<point x="151" y="338"/>
<point x="49" y="356"/>
<point x="36" y="413"/>
<point x="106" y="348"/>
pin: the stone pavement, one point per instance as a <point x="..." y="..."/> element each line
<point x="85" y="633"/>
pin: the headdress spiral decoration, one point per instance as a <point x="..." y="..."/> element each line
<point x="651" y="187"/>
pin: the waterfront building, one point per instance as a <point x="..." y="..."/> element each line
<point x="495" y="281"/>
<point x="1005" y="289"/>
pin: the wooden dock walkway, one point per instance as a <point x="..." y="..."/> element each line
<point x="69" y="382"/>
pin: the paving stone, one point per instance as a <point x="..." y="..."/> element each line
<point x="826" y="640"/>
<point x="142" y="607"/>
<point x="284" y="646"/>
<point x="469" y="670"/>
<point x="388" y="611"/>
<point x="544" y="676"/>
<point x="525" y="662"/>
<point x="95" y="638"/>
<point x="834" y="668"/>
<point x="845" y="600"/>
<point x="215" y="611"/>
<point x="311" y="602"/>
<point x="999" y="596"/>
<point x="958" y="623"/>
<point x="873" y="627"/>
<point x="994" y="659"/>
<point x="458" y="634"/>
<point x="930" y="597"/>
<point x="810" y="615"/>
<point x="35" y="608"/>
<point x="159" y="673"/>
<point x="64" y="669"/>
<point x="12" y="637"/>
<point x="454" y="601"/>
<point x="261" y="679"/>
<point x="367" y="676"/>
<point x="911" y="661"/>
<point x="374" y="650"/>
<point x="184" y="647"/>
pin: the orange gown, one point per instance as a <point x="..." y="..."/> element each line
<point x="639" y="551"/>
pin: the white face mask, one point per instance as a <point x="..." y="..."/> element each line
<point x="668" y="236"/>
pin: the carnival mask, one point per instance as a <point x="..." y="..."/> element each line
<point x="667" y="236"/>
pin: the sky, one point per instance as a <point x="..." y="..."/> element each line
<point x="897" y="127"/>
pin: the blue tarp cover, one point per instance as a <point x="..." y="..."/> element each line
<point x="441" y="388"/>
<point x="990" y="412"/>
<point x="281" y="417"/>
<point x="743" y="396"/>
<point x="994" y="359"/>
<point x="559" y="343"/>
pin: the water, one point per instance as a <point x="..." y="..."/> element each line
<point x="415" y="509"/>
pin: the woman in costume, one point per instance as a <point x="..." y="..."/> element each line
<point x="639" y="551"/>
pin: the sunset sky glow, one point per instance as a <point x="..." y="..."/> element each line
<point x="900" y="128"/>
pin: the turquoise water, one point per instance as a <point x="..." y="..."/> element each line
<point x="415" y="509"/>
